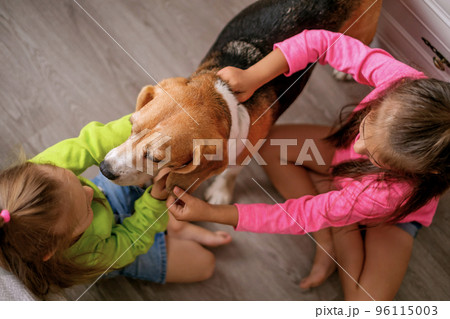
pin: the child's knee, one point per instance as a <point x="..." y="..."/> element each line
<point x="208" y="265"/>
<point x="357" y="295"/>
<point x="175" y="226"/>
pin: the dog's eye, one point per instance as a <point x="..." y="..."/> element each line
<point x="150" y="157"/>
<point x="185" y="164"/>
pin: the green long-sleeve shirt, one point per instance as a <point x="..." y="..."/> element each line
<point x="113" y="242"/>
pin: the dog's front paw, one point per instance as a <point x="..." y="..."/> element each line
<point x="219" y="192"/>
<point x="341" y="76"/>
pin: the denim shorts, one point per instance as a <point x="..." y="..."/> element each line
<point x="151" y="266"/>
<point x="411" y="228"/>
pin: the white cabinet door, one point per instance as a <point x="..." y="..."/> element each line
<point x="403" y="24"/>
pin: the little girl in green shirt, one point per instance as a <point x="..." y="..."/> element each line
<point x="58" y="228"/>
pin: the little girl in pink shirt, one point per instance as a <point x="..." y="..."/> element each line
<point x="389" y="163"/>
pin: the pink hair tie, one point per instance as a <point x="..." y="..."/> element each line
<point x="6" y="216"/>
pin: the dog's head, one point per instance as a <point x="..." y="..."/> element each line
<point x="180" y="127"/>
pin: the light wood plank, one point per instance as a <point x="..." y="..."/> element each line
<point x="59" y="71"/>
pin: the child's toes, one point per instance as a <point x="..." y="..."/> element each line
<point x="219" y="238"/>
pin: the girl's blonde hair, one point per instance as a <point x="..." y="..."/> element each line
<point x="34" y="200"/>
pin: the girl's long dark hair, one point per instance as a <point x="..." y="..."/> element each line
<point x="418" y="133"/>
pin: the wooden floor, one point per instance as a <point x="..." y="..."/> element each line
<point x="59" y="71"/>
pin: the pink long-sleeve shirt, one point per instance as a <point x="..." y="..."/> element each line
<point x="353" y="201"/>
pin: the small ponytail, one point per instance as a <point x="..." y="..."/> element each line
<point x="5" y="216"/>
<point x="34" y="196"/>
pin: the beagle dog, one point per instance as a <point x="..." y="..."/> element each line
<point x="194" y="128"/>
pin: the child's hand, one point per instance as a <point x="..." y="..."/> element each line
<point x="241" y="82"/>
<point x="245" y="82"/>
<point x="188" y="207"/>
<point x="159" y="191"/>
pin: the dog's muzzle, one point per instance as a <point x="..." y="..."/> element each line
<point x="106" y="171"/>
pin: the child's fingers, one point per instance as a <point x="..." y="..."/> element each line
<point x="223" y="72"/>
<point x="242" y="97"/>
<point x="173" y="203"/>
<point x="230" y="75"/>
<point x="170" y="200"/>
<point x="178" y="191"/>
<point x="174" y="207"/>
<point x="184" y="196"/>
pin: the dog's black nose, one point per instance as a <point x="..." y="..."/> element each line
<point x="106" y="171"/>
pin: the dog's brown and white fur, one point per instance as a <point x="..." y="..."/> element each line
<point x="202" y="107"/>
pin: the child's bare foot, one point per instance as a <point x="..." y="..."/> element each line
<point x="323" y="265"/>
<point x="322" y="268"/>
<point x="203" y="236"/>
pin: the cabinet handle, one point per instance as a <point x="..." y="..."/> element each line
<point x="439" y="60"/>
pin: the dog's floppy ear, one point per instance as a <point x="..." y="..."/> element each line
<point x="199" y="169"/>
<point x="190" y="167"/>
<point x="146" y="95"/>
